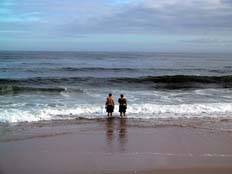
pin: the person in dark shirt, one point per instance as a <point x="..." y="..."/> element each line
<point x="110" y="105"/>
<point x="122" y="105"/>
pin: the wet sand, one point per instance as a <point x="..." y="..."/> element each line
<point x="116" y="146"/>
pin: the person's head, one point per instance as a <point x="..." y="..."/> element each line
<point x="122" y="95"/>
<point x="110" y="95"/>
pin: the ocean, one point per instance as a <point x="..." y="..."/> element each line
<point x="37" y="86"/>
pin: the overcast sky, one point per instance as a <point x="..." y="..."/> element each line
<point x="116" y="25"/>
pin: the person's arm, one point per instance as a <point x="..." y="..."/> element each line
<point x="106" y="101"/>
<point x="113" y="101"/>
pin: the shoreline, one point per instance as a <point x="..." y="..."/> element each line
<point x="117" y="146"/>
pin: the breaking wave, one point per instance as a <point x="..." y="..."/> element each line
<point x="135" y="111"/>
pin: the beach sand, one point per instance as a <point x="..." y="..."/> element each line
<point x="117" y="146"/>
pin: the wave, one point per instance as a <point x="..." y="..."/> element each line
<point x="226" y="70"/>
<point x="97" y="69"/>
<point x="135" y="111"/>
<point x="18" y="89"/>
<point x="169" y="82"/>
<point x="221" y="71"/>
<point x="182" y="81"/>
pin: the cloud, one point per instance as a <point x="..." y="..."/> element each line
<point x="128" y="16"/>
<point x="208" y="41"/>
<point x="10" y="14"/>
<point x="107" y="20"/>
<point x="152" y="16"/>
<point x="227" y="2"/>
<point x="4" y="3"/>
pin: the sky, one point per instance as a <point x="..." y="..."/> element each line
<point x="116" y="25"/>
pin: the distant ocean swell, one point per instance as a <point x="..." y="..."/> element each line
<point x="22" y="89"/>
<point x="224" y="70"/>
<point x="166" y="82"/>
<point x="135" y="111"/>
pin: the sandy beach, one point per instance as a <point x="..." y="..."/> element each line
<point x="116" y="146"/>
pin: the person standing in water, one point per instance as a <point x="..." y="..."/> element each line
<point x="110" y="105"/>
<point x="122" y="105"/>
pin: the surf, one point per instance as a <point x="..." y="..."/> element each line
<point x="134" y="111"/>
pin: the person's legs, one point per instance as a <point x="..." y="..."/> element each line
<point x="120" y="110"/>
<point x="123" y="110"/>
<point x="112" y="110"/>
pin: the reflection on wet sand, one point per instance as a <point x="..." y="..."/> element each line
<point x="121" y="130"/>
<point x="110" y="130"/>
<point x="122" y="138"/>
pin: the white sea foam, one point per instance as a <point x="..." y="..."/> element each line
<point x="145" y="111"/>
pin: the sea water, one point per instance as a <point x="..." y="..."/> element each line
<point x="38" y="86"/>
